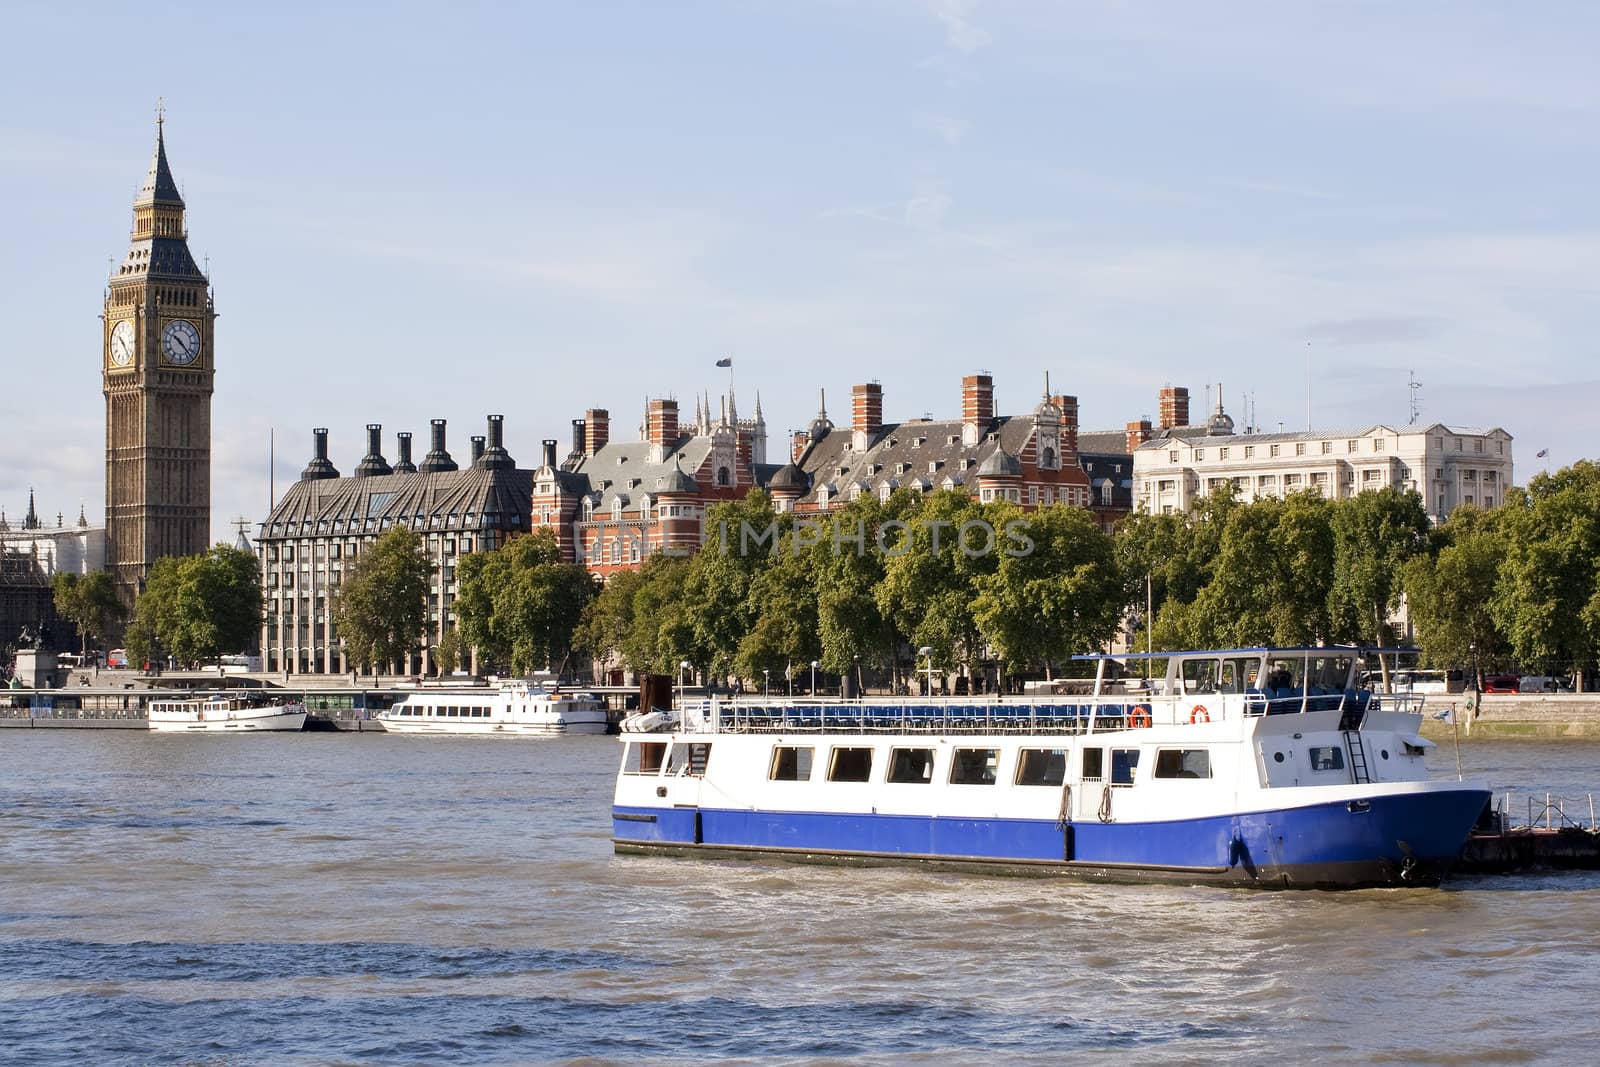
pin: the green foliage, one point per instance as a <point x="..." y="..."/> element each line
<point x="89" y="602"/>
<point x="928" y="590"/>
<point x="382" y="604"/>
<point x="1449" y="593"/>
<point x="197" y="608"/>
<point x="1375" y="534"/>
<point x="447" y="653"/>
<point x="1063" y="597"/>
<point x="1547" y="601"/>
<point x="519" y="604"/>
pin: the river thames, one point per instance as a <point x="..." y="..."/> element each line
<point x="370" y="899"/>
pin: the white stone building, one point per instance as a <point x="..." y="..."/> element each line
<point x="1448" y="466"/>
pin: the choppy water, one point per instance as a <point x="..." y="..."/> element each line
<point x="310" y="899"/>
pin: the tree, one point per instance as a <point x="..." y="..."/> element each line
<point x="852" y="626"/>
<point x="520" y="603"/>
<point x="197" y="608"/>
<point x="608" y="618"/>
<point x="741" y="536"/>
<point x="1062" y="595"/>
<point x="381" y="606"/>
<point x="1546" y="599"/>
<point x="1449" y="595"/>
<point x="785" y="629"/>
<point x="447" y="654"/>
<point x="89" y="602"/>
<point x="929" y="588"/>
<point x="1374" y="535"/>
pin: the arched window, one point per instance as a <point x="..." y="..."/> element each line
<point x="722" y="476"/>
<point x="1049" y="463"/>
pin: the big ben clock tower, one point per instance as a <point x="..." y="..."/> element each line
<point x="157" y="370"/>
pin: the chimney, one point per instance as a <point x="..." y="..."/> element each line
<point x="1069" y="423"/>
<point x="1174" y="407"/>
<point x="866" y="409"/>
<point x="1138" y="433"/>
<point x="477" y="448"/>
<point x="495" y="457"/>
<point x="550" y="451"/>
<point x="373" y="462"/>
<point x="403" y="465"/>
<point x="597" y="430"/>
<point x="319" y="467"/>
<point x="437" y="458"/>
<point x="802" y="440"/>
<point x="579" y="436"/>
<point x="977" y="407"/>
<point x="662" y="423"/>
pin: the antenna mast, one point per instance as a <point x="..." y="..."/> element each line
<point x="1413" y="385"/>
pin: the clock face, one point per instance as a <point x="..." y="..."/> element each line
<point x="122" y="344"/>
<point x="180" y="343"/>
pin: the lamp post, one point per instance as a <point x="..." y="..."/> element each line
<point x="683" y="665"/>
<point x="813" y="677"/>
<point x="766" y="683"/>
<point x="860" y="689"/>
<point x="926" y="651"/>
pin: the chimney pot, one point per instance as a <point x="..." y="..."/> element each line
<point x="549" y="452"/>
<point x="437" y="459"/>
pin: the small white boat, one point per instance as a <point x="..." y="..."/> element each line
<point x="518" y="709"/>
<point x="228" y="714"/>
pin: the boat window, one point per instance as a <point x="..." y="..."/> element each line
<point x="1041" y="766"/>
<point x="913" y="765"/>
<point x="1183" y="763"/>
<point x="1124" y="761"/>
<point x="643" y="757"/>
<point x="791" y="763"/>
<point x="1327" y="758"/>
<point x="689" y="758"/>
<point x="1200" y="676"/>
<point x="1094" y="765"/>
<point x="974" y="766"/>
<point x="850" y="765"/>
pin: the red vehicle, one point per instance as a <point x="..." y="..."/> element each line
<point x="1502" y="683"/>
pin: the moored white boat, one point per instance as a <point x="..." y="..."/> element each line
<point x="518" y="710"/>
<point x="227" y="714"/>
<point x="1254" y="767"/>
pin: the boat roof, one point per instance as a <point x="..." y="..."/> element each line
<point x="1252" y="650"/>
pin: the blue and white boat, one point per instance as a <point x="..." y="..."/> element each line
<point x="1268" y="767"/>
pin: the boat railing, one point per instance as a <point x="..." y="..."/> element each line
<point x="954" y="715"/>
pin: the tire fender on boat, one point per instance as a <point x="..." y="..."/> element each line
<point x="1199" y="714"/>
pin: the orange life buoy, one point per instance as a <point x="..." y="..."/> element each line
<point x="1139" y="718"/>
<point x="1199" y="714"/>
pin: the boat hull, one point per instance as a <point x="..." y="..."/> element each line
<point x="597" y="725"/>
<point x="287" y="721"/>
<point x="1395" y="839"/>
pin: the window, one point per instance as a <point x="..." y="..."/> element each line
<point x="1183" y="763"/>
<point x="1300" y="448"/>
<point x="974" y="766"/>
<point x="1377" y="444"/>
<point x="791" y="763"/>
<point x="1199" y="454"/>
<point x="1172" y="456"/>
<point x="1350" y="445"/>
<point x="850" y="765"/>
<point x="1222" y="453"/>
<point x="1094" y="765"/>
<point x="689" y="758"/>
<point x="1327" y="447"/>
<point x="1124" y="761"/>
<point x="911" y="765"/>
<point x="1249" y="451"/>
<point x="1041" y="766"/>
<point x="1327" y="758"/>
<point x="1272" y="450"/>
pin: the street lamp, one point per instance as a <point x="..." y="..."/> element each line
<point x="927" y="652"/>
<point x="766" y="683"/>
<point x="683" y="665"/>
<point x="813" y="677"/>
<point x="859" y="687"/>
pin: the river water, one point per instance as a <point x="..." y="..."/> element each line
<point x="371" y="899"/>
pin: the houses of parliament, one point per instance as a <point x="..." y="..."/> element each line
<point x="157" y="372"/>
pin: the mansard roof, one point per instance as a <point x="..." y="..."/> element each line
<point x="497" y="499"/>
<point x="930" y="449"/>
<point x="624" y="468"/>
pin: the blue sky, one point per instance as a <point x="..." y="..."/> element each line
<point x="418" y="211"/>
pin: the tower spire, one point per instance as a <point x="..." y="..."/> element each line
<point x="159" y="186"/>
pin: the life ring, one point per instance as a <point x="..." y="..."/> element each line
<point x="1199" y="714"/>
<point x="1139" y="718"/>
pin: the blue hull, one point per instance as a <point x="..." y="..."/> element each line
<point x="1403" y="839"/>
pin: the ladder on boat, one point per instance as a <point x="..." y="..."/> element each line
<point x="1358" y="757"/>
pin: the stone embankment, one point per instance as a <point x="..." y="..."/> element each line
<point x="1514" y="715"/>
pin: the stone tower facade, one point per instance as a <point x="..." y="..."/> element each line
<point x="157" y="377"/>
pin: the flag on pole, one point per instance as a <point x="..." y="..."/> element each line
<point x="1543" y="452"/>
<point x="725" y="361"/>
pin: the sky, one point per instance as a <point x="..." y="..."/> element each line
<point x="450" y="211"/>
